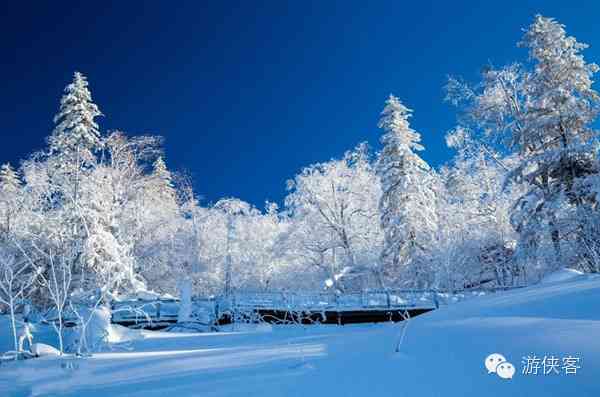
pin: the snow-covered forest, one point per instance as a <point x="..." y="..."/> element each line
<point x="99" y="213"/>
<point x="131" y="283"/>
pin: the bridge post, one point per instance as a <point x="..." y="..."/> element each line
<point x="217" y="309"/>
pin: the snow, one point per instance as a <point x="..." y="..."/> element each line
<point x="100" y="331"/>
<point x="42" y="350"/>
<point x="146" y="295"/>
<point x="562" y="275"/>
<point x="442" y="354"/>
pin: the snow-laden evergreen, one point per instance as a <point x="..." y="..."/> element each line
<point x="408" y="201"/>
<point x="9" y="179"/>
<point x="76" y="135"/>
<point x="10" y="198"/>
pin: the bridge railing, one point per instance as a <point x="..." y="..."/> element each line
<point x="139" y="310"/>
<point x="390" y="299"/>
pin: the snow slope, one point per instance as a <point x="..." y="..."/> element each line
<point x="442" y="355"/>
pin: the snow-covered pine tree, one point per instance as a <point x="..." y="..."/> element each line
<point x="10" y="185"/>
<point x="407" y="206"/>
<point x="71" y="162"/>
<point x="76" y="135"/>
<point x="9" y="179"/>
<point x="163" y="180"/>
<point x="72" y="145"/>
<point x="556" y="143"/>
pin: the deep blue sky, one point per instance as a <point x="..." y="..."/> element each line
<point x="247" y="93"/>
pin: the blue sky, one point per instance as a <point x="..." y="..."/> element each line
<point x="247" y="93"/>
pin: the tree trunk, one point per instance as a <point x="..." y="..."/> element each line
<point x="13" y="324"/>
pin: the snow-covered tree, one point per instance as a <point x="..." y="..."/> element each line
<point x="233" y="210"/>
<point x="17" y="283"/>
<point x="69" y="164"/>
<point x="557" y="140"/>
<point x="53" y="254"/>
<point x="141" y="214"/>
<point x="164" y="181"/>
<point x="475" y="237"/>
<point x="335" y="219"/>
<point x="76" y="136"/>
<point x="259" y="240"/>
<point x="543" y="111"/>
<point x="408" y="203"/>
<point x="9" y="180"/>
<point x="10" y="198"/>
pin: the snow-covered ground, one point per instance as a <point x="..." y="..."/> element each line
<point x="442" y="355"/>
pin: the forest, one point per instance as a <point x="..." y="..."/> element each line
<point x="98" y="214"/>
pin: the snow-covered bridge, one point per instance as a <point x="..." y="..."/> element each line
<point x="362" y="307"/>
<point x="283" y="307"/>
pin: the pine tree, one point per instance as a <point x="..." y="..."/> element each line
<point x="10" y="186"/>
<point x="407" y="206"/>
<point x="76" y="135"/>
<point x="9" y="179"/>
<point x="163" y="179"/>
<point x="72" y="161"/>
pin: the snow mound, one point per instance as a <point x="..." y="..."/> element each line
<point x="119" y="334"/>
<point x="43" y="350"/>
<point x="562" y="275"/>
<point x="99" y="326"/>
<point x="98" y="332"/>
<point x="102" y="331"/>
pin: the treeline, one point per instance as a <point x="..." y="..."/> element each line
<point x="99" y="213"/>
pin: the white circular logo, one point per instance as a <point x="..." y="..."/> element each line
<point x="505" y="370"/>
<point x="496" y="363"/>
<point x="492" y="361"/>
